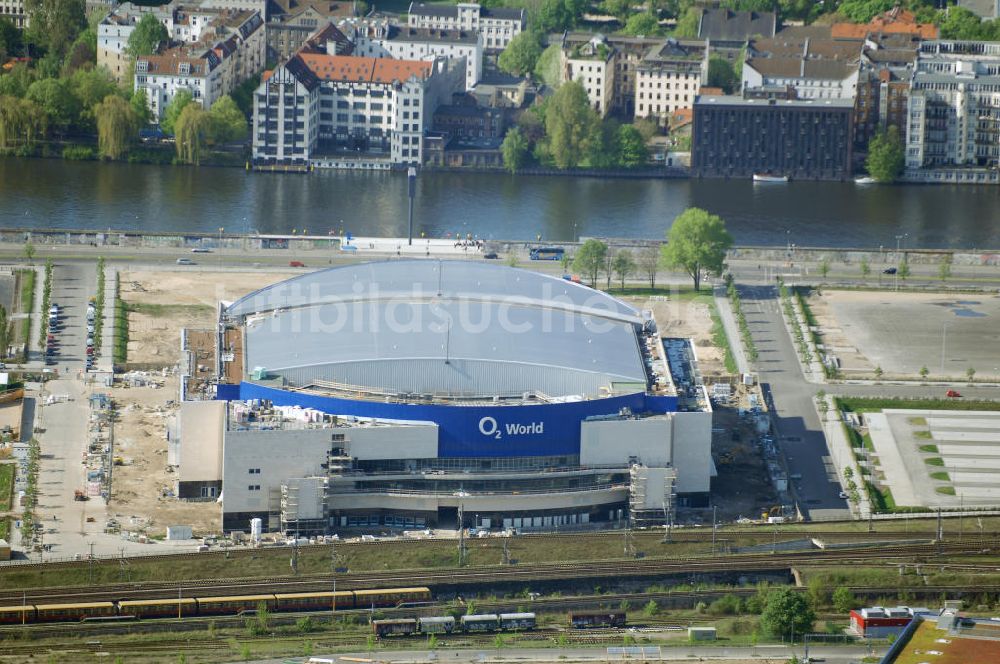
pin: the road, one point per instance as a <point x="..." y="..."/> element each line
<point x="688" y="653"/>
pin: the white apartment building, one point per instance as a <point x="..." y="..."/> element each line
<point x="497" y="25"/>
<point x="816" y="68"/>
<point x="232" y="51"/>
<point x="114" y="30"/>
<point x="378" y="39"/>
<point x="592" y="65"/>
<point x="668" y="78"/>
<point x="13" y="11"/>
<point x="317" y="104"/>
<point x="954" y="110"/>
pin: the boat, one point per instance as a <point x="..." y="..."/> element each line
<point x="865" y="179"/>
<point x="760" y="177"/>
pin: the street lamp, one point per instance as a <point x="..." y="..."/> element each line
<point x="895" y="276"/>
<point x="944" y="343"/>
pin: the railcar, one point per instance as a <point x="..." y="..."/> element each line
<point x="389" y="597"/>
<point x="396" y="627"/>
<point x="516" y="621"/>
<point x="71" y="612"/>
<point x="485" y="622"/>
<point x="437" y="625"/>
<point x="159" y="608"/>
<point x="224" y="606"/>
<point x="314" y="601"/>
<point x="17" y="615"/>
<point x="585" y="619"/>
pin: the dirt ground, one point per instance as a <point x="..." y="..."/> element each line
<point x="139" y="485"/>
<point x="169" y="301"/>
<point x="832" y="335"/>
<point x="687" y="318"/>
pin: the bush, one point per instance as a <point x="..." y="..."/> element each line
<point x="727" y="605"/>
<point x="78" y="153"/>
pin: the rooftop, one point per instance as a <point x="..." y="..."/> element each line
<point x="729" y="25"/>
<point x="979" y="642"/>
<point x="350" y="68"/>
<point x="451" y="11"/>
<point x="443" y="328"/>
<point x="290" y="8"/>
<point x="408" y="34"/>
<point x="896" y="20"/>
<point x="736" y="100"/>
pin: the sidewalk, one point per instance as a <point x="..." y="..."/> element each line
<point x="732" y="330"/>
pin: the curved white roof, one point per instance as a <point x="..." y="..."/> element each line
<point x="442" y="327"/>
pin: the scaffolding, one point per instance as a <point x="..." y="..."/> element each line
<point x="651" y="495"/>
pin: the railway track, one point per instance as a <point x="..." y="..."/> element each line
<point x="452" y="579"/>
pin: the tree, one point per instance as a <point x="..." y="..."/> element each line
<point x="29" y="251"/>
<point x="10" y="39"/>
<point x="193" y="132"/>
<point x="82" y="53"/>
<point x="21" y="121"/>
<point x="552" y="16"/>
<point x="722" y="75"/>
<point x="569" y="122"/>
<point x="16" y="82"/>
<point x="140" y="106"/>
<point x="229" y="125"/>
<point x="117" y="126"/>
<point x="924" y="372"/>
<point x="824" y="268"/>
<point x="886" y="158"/>
<point x="623" y="265"/>
<point x="174" y="109"/>
<point x="843" y="599"/>
<point x="697" y="243"/>
<point x="960" y="23"/>
<point x="904" y="269"/>
<point x="863" y="11"/>
<point x="91" y="87"/>
<point x="547" y="67"/>
<point x="944" y="268"/>
<point x="603" y="147"/>
<point x="55" y="23"/>
<point x="515" y="150"/>
<point x="642" y="25"/>
<point x="970" y="373"/>
<point x="866" y="269"/>
<point x="589" y="260"/>
<point x="617" y="8"/>
<point x="786" y="612"/>
<point x="148" y="34"/>
<point x="649" y="263"/>
<point x="631" y="147"/>
<point x="56" y="100"/>
<point x="521" y="54"/>
<point x="687" y="25"/>
<point x="878" y="372"/>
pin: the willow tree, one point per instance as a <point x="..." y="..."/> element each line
<point x="192" y="131"/>
<point x="21" y="122"/>
<point x="117" y="126"/>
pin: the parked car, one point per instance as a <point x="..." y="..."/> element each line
<point x="296" y="264"/>
<point x="889" y="270"/>
<point x="185" y="261"/>
<point x="953" y="394"/>
<point x="491" y="255"/>
<point x="201" y="250"/>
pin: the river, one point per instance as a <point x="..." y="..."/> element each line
<point x="64" y="194"/>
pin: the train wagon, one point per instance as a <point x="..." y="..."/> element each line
<point x="584" y="619"/>
<point x="514" y="621"/>
<point x="484" y="622"/>
<point x="158" y="608"/>
<point x="66" y="612"/>
<point x="396" y="627"/>
<point x="365" y="599"/>
<point x="222" y="606"/>
<point x="328" y="601"/>
<point x="17" y="615"/>
<point x="437" y="625"/>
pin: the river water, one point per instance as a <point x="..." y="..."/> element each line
<point x="63" y="194"/>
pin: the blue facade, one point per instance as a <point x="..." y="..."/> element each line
<point x="474" y="431"/>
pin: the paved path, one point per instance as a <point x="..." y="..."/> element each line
<point x="728" y="318"/>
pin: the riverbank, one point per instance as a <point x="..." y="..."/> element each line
<point x="157" y="154"/>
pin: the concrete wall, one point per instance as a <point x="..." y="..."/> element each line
<point x="692" y="451"/>
<point x="201" y="425"/>
<point x="607" y="442"/>
<point x="403" y="442"/>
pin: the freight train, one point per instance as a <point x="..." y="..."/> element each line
<point x="211" y="606"/>
<point x="487" y="622"/>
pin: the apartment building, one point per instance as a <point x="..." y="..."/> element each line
<point x="592" y="64"/>
<point x="113" y="33"/>
<point x="291" y="22"/>
<point x="379" y="39"/>
<point x="13" y="11"/>
<point x="887" y="64"/>
<point x="727" y="31"/>
<point x="323" y="109"/>
<point x="772" y="132"/>
<point x="815" y="68"/>
<point x="668" y="79"/>
<point x="498" y="25"/>
<point x="230" y="50"/>
<point x="954" y="108"/>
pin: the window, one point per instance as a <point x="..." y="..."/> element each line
<point x="255" y="471"/>
<point x="253" y="487"/>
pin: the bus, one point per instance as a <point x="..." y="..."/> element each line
<point x="547" y="253"/>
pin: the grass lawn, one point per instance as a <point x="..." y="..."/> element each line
<point x="946" y="490"/>
<point x="6" y="485"/>
<point x="934" y="461"/>
<point x="862" y="405"/>
<point x="25" y="303"/>
<point x="167" y="310"/>
<point x="940" y="475"/>
<point x="932" y="449"/>
<point x="5" y="528"/>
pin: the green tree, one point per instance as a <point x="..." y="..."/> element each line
<point x="140" y="106"/>
<point x="54" y="24"/>
<point x="21" y="121"/>
<point x="886" y="157"/>
<point x="54" y="97"/>
<point x="515" y="149"/>
<point x="81" y="54"/>
<point x="623" y="265"/>
<point x="960" y="23"/>
<point x="904" y="269"/>
<point x="651" y="609"/>
<point x="944" y="268"/>
<point x="10" y="39"/>
<point x="603" y="147"/>
<point x="552" y="16"/>
<point x="432" y="641"/>
<point x="147" y="35"/>
<point x="697" y="243"/>
<point x="569" y="122"/>
<point x="863" y="11"/>
<point x="590" y="259"/>
<point x="843" y="599"/>
<point x="91" y="87"/>
<point x="786" y="613"/>
<point x="193" y="132"/>
<point x="632" y="147"/>
<point x="722" y="75"/>
<point x="642" y="25"/>
<point x="173" y="110"/>
<point x="117" y="126"/>
<point x="878" y="372"/>
<point x="924" y="372"/>
<point x="648" y="263"/>
<point x="970" y="373"/>
<point x="229" y="125"/>
<point x="687" y="25"/>
<point x="521" y="54"/>
<point x="824" y="268"/>
<point x="617" y="8"/>
<point x="29" y="251"/>
<point x="547" y="68"/>
<point x="866" y="269"/>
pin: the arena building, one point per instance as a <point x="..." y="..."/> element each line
<point x="421" y="393"/>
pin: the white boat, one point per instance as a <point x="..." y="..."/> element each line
<point x="759" y="177"/>
<point x="865" y="179"/>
